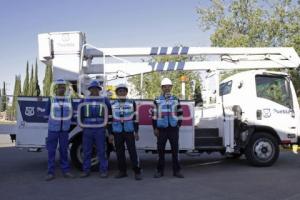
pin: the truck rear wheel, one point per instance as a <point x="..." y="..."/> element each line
<point x="76" y="154"/>
<point x="262" y="150"/>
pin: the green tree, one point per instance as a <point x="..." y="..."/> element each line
<point x="26" y="82"/>
<point x="17" y="92"/>
<point x="252" y="23"/>
<point x="31" y="83"/>
<point x="198" y="95"/>
<point x="4" y="99"/>
<point x="9" y="114"/>
<point x="151" y="81"/>
<point x="36" y="87"/>
<point x="47" y="80"/>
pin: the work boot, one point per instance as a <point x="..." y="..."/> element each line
<point x="121" y="175"/>
<point x="84" y="174"/>
<point x="138" y="176"/>
<point x="158" y="174"/>
<point x="49" y="177"/>
<point x="178" y="174"/>
<point x="103" y="175"/>
<point x="68" y="175"/>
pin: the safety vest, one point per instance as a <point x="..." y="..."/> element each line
<point x="60" y="114"/>
<point x="167" y="111"/>
<point x="123" y="113"/>
<point x="93" y="111"/>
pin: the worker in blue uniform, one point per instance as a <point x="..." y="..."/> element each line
<point x="167" y="118"/>
<point x="60" y="114"/>
<point x="124" y="128"/>
<point x="94" y="117"/>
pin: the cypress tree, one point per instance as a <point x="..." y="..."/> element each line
<point x="47" y="80"/>
<point x="4" y="99"/>
<point x="31" y="83"/>
<point x="17" y="92"/>
<point x="26" y="82"/>
<point x="36" y="89"/>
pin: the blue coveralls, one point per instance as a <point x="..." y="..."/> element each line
<point x="60" y="113"/>
<point x="94" y="115"/>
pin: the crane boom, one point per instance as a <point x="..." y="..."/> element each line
<point x="215" y="58"/>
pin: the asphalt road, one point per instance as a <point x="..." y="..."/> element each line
<point x="207" y="177"/>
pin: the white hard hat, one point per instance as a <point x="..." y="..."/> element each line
<point x="166" y="81"/>
<point x="121" y="85"/>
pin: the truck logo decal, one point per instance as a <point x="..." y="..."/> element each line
<point x="39" y="109"/>
<point x="29" y="111"/>
<point x="267" y="113"/>
<point x="283" y="111"/>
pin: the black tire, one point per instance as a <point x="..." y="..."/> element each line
<point x="76" y="155"/>
<point x="262" y="150"/>
<point x="77" y="162"/>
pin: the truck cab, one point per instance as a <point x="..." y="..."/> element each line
<point x="265" y="102"/>
<point x="267" y="99"/>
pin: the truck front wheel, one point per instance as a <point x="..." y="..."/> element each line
<point x="262" y="150"/>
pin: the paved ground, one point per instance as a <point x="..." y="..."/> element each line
<point x="22" y="177"/>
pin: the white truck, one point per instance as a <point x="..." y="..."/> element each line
<point x="254" y="112"/>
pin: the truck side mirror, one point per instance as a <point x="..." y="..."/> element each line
<point x="292" y="113"/>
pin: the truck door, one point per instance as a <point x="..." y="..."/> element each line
<point x="275" y="105"/>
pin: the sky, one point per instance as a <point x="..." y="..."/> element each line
<point x="110" y="23"/>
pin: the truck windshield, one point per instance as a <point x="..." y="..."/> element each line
<point x="274" y="88"/>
